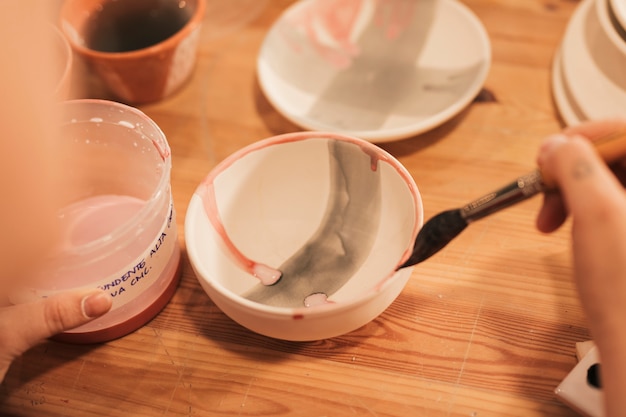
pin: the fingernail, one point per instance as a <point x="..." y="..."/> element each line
<point x="553" y="141"/>
<point x="549" y="144"/>
<point x="95" y="305"/>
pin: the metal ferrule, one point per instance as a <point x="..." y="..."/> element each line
<point x="521" y="189"/>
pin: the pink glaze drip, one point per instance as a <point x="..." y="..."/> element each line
<point x="265" y="274"/>
<point x="163" y="149"/>
<point x="317" y="299"/>
<point x="338" y="19"/>
<point x="394" y="16"/>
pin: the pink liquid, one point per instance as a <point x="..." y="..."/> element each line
<point x="93" y="218"/>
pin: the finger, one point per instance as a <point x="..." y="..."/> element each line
<point x="597" y="129"/>
<point x="588" y="187"/>
<point x="33" y="322"/>
<point x="552" y="214"/>
<point x="553" y="211"/>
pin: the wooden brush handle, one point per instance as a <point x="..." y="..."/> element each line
<point x="611" y="148"/>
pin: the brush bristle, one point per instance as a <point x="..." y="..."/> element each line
<point x="435" y="234"/>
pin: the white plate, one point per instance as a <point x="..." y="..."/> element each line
<point x="562" y="97"/>
<point x="401" y="68"/>
<point x="592" y="91"/>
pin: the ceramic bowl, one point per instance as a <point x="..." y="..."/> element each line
<point x="378" y="70"/>
<point x="334" y="214"/>
<point x="130" y="44"/>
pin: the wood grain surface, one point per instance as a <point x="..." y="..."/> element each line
<point x="487" y="327"/>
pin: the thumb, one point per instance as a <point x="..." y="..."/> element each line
<point x="24" y="325"/>
<point x="31" y="323"/>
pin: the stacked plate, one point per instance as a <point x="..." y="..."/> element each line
<point x="589" y="71"/>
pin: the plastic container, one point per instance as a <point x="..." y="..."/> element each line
<point x="117" y="225"/>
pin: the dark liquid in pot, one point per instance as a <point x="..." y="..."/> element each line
<point x="128" y="25"/>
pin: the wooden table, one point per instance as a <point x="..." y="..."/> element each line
<point x="487" y="327"/>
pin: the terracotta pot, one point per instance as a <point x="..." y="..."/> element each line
<point x="138" y="73"/>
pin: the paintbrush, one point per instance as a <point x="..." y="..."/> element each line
<point x="442" y="228"/>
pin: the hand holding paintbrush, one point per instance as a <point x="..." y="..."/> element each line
<point x="595" y="199"/>
<point x="442" y="228"/>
